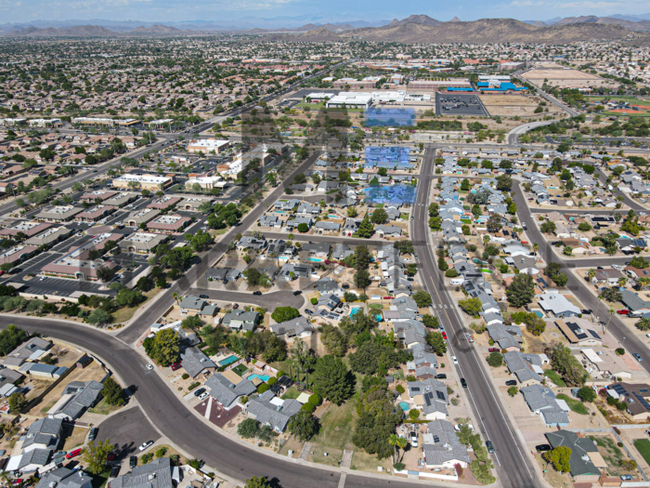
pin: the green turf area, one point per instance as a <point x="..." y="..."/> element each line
<point x="575" y="405"/>
<point x="630" y="100"/>
<point x="554" y="377"/>
<point x="291" y="394"/>
<point x="643" y="446"/>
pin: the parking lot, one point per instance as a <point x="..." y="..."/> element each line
<point x="457" y="104"/>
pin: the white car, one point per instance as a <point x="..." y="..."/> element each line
<point x="454" y="360"/>
<point x="145" y="445"/>
<point x="203" y="395"/>
<point x="457" y="427"/>
<point x="150" y="367"/>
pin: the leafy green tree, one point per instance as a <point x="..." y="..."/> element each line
<point x="639" y="262"/>
<point x="379" y="216"/>
<point x="376" y="423"/>
<point x="521" y="291"/>
<point x="430" y="321"/>
<point x="248" y="428"/>
<point x="11" y="338"/>
<point x="535" y="325"/>
<point x="366" y="229"/>
<point x="361" y="278"/>
<point x="587" y="394"/>
<point x="95" y="456"/>
<point x="304" y="425"/>
<point x="17" y="402"/>
<point x="113" y="392"/>
<point x="513" y="390"/>
<point x="332" y="380"/>
<point x="494" y="223"/>
<point x="164" y="347"/>
<point x="106" y="274"/>
<point x="495" y="359"/>
<point x="504" y="183"/>
<point x="99" y="317"/>
<point x="192" y="322"/>
<point x="422" y="298"/>
<point x="548" y="227"/>
<point x="471" y="306"/>
<point x="362" y="257"/>
<point x="560" y="458"/>
<point x="257" y="482"/>
<point x="282" y="314"/>
<point x="566" y="365"/>
<point x="437" y="342"/>
<point x="334" y="340"/>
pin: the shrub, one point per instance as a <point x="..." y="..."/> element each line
<point x="315" y="399"/>
<point x="414" y="414"/>
<point x="272" y="381"/>
<point x="193" y="385"/>
<point x="308" y="407"/>
<point x="399" y="389"/>
<point x="314" y="301"/>
<point x="248" y="428"/>
<point x="262" y="388"/>
<point x="185" y="376"/>
<point x="398" y="466"/>
<point x="620" y="351"/>
<point x="280" y="374"/>
<point x="513" y="390"/>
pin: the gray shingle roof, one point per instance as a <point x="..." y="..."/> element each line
<point x="194" y="361"/>
<point x="293" y="327"/>
<point x="156" y="474"/>
<point x="225" y="392"/>
<point x="445" y="446"/>
<point x="64" y="478"/>
<point x="580" y="446"/>
<point x="277" y="416"/>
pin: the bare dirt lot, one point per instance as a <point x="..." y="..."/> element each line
<point x="511" y="105"/>
<point x="564" y="77"/>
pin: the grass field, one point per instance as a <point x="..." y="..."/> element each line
<point x="126" y="313"/>
<point x="291" y="394"/>
<point x="575" y="405"/>
<point x="555" y="378"/>
<point x="643" y="446"/>
<point x="630" y="100"/>
<point x="103" y="408"/>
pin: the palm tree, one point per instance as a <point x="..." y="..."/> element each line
<point x="591" y="274"/>
<point x="398" y="443"/>
<point x="175" y="295"/>
<point x="536" y="247"/>
<point x="643" y="323"/>
<point x="622" y="281"/>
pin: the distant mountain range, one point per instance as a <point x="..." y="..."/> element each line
<point x="416" y="28"/>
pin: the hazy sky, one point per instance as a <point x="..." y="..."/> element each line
<point x="312" y="10"/>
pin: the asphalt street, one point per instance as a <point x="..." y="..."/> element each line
<point x="127" y="430"/>
<point x="174" y="419"/>
<point x="512" y="464"/>
<point x="579" y="287"/>
<point x="207" y="259"/>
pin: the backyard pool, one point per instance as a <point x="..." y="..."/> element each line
<point x="354" y="311"/>
<point x="315" y="260"/>
<point x="263" y="377"/>
<point x="404" y="406"/>
<point x="538" y="313"/>
<point x="228" y="360"/>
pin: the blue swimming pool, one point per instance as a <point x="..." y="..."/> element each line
<point x="404" y="406"/>
<point x="315" y="260"/>
<point x="263" y="377"/>
<point x="538" y="313"/>
<point x="354" y="311"/>
<point x="228" y="360"/>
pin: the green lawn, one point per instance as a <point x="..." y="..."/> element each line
<point x="291" y="394"/>
<point x="575" y="405"/>
<point x="643" y="446"/>
<point x="554" y="377"/>
<point x="337" y="426"/>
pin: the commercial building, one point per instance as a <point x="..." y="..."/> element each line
<point x="121" y="199"/>
<point x="192" y="204"/>
<point x="98" y="194"/>
<point x="103" y="121"/>
<point x="95" y="213"/>
<point x="142" y="242"/>
<point x="207" y="146"/>
<point x="50" y="236"/>
<point x="17" y="254"/>
<point x="29" y="228"/>
<point x="169" y="224"/>
<point x="61" y="213"/>
<point x="142" y="182"/>
<point x="439" y="84"/>
<point x="206" y="182"/>
<point x="351" y="100"/>
<point x="164" y="202"/>
<point x="141" y="216"/>
<point x="76" y="263"/>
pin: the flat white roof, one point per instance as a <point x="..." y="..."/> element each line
<point x="143" y="178"/>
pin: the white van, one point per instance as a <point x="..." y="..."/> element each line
<point x="457" y="281"/>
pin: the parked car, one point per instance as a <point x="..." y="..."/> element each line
<point x="454" y="360"/>
<point x="176" y="366"/>
<point x="235" y="306"/>
<point x="444" y="335"/>
<point x="204" y="296"/>
<point x="463" y="383"/>
<point x="637" y="356"/>
<point x="626" y="477"/>
<point x="73" y="453"/>
<point x="414" y="439"/>
<point x="297" y="292"/>
<point x="199" y="391"/>
<point x="203" y="395"/>
<point x="150" y="366"/>
<point x="257" y="293"/>
<point x="133" y="461"/>
<point x="511" y="383"/>
<point x="543" y="448"/>
<point x="93" y="434"/>
<point x="457" y="427"/>
<point x="115" y="471"/>
<point x="489" y="446"/>
<point x="470" y="338"/>
<point x="441" y="376"/>
<point x="145" y="445"/>
<point x="623" y="311"/>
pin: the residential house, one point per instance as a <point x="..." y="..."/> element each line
<point x="78" y="396"/>
<point x="442" y="448"/>
<point x="636" y="396"/>
<point x="558" y="305"/>
<point x="430" y="396"/>
<point x="290" y="329"/>
<point x="195" y="362"/>
<point x="241" y="320"/>
<point x="584" y="455"/>
<point x="159" y="473"/>
<point x="31" y="350"/>
<point x="526" y="367"/>
<point x="227" y="387"/>
<point x="542" y="401"/>
<point x="579" y="332"/>
<point x="270" y="410"/>
<point x="65" y="478"/>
